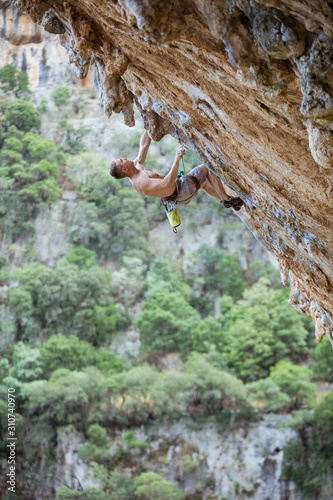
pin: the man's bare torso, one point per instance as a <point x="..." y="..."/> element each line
<point x="142" y="182"/>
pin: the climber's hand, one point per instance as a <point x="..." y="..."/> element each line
<point x="180" y="151"/>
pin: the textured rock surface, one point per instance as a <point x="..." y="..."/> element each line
<point x="247" y="81"/>
<point x="28" y="47"/>
<point x="244" y="463"/>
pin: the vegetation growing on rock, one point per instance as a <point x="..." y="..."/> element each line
<point x="241" y="350"/>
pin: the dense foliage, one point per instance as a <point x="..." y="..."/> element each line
<point x="240" y="348"/>
<point x="309" y="459"/>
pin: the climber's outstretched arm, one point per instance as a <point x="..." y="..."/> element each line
<point x="143" y="151"/>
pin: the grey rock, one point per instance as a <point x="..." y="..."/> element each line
<point x="279" y="35"/>
<point x="316" y="68"/>
<point x="52" y="23"/>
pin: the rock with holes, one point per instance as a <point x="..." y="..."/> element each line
<point x="279" y="35"/>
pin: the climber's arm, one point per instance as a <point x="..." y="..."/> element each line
<point x="143" y="151"/>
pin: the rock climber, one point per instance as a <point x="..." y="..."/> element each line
<point x="169" y="187"/>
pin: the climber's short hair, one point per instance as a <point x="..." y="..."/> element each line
<point x="116" y="170"/>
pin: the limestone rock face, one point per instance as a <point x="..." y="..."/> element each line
<point x="29" y="48"/>
<point x="250" y="82"/>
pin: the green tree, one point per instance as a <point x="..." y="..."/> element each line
<point x="308" y="458"/>
<point x="211" y="390"/>
<point x="21" y="309"/>
<point x="12" y="80"/>
<point x="117" y="485"/>
<point x="71" y="137"/>
<point x="73" y="299"/>
<point x="294" y="381"/>
<point x="107" y="361"/>
<point x="323" y="356"/>
<point x="62" y="402"/>
<point x="23" y="115"/>
<point x="130" y="441"/>
<point x="98" y="449"/>
<point x="143" y="394"/>
<point x="108" y="321"/>
<point x="214" y="273"/>
<point x="166" y="322"/>
<point x="260" y="330"/>
<point x="20" y="303"/>
<point x="72" y="353"/>
<point x="28" y="364"/>
<point x="97" y="434"/>
<point x="266" y="395"/>
<point x="65" y="493"/>
<point x="151" y="485"/>
<point x="61" y="96"/>
<point x="165" y="276"/>
<point x="207" y="335"/>
<point x="28" y="169"/>
<point x="82" y="257"/>
<point x="67" y="398"/>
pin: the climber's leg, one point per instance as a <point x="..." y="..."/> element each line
<point x="214" y="186"/>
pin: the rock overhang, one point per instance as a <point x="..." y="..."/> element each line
<point x="250" y="82"/>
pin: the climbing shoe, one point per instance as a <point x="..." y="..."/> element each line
<point x="235" y="203"/>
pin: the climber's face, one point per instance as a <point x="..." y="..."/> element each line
<point x="125" y="164"/>
<point x="122" y="168"/>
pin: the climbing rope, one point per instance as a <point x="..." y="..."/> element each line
<point x="253" y="203"/>
<point x="182" y="172"/>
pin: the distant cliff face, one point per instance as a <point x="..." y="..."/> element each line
<point x="246" y="81"/>
<point x="28" y="47"/>
<point x="245" y="462"/>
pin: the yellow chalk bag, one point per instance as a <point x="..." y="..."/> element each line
<point x="174" y="218"/>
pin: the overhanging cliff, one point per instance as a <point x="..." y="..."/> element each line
<point x="248" y="82"/>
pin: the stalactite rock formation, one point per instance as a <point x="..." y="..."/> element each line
<point x="250" y="82"/>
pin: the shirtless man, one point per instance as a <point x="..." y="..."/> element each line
<point x="149" y="183"/>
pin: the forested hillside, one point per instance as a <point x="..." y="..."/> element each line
<point x="218" y="341"/>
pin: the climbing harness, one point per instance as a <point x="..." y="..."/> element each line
<point x="253" y="203"/>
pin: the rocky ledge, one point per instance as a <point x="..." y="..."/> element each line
<point x="249" y="82"/>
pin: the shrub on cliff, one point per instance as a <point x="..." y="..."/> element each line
<point x="260" y="330"/>
<point x="151" y="485"/>
<point x="23" y="115"/>
<point x="67" y="397"/>
<point x="61" y="96"/>
<point x="294" y="381"/>
<point x="309" y="459"/>
<point x="68" y="299"/>
<point x="142" y="394"/>
<point x="13" y="80"/>
<point x="322" y="354"/>
<point x="166" y="322"/>
<point x="74" y="354"/>
<point x="114" y="485"/>
<point x="288" y="388"/>
<point x="214" y="273"/>
<point x="28" y="168"/>
<point x="211" y="391"/>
